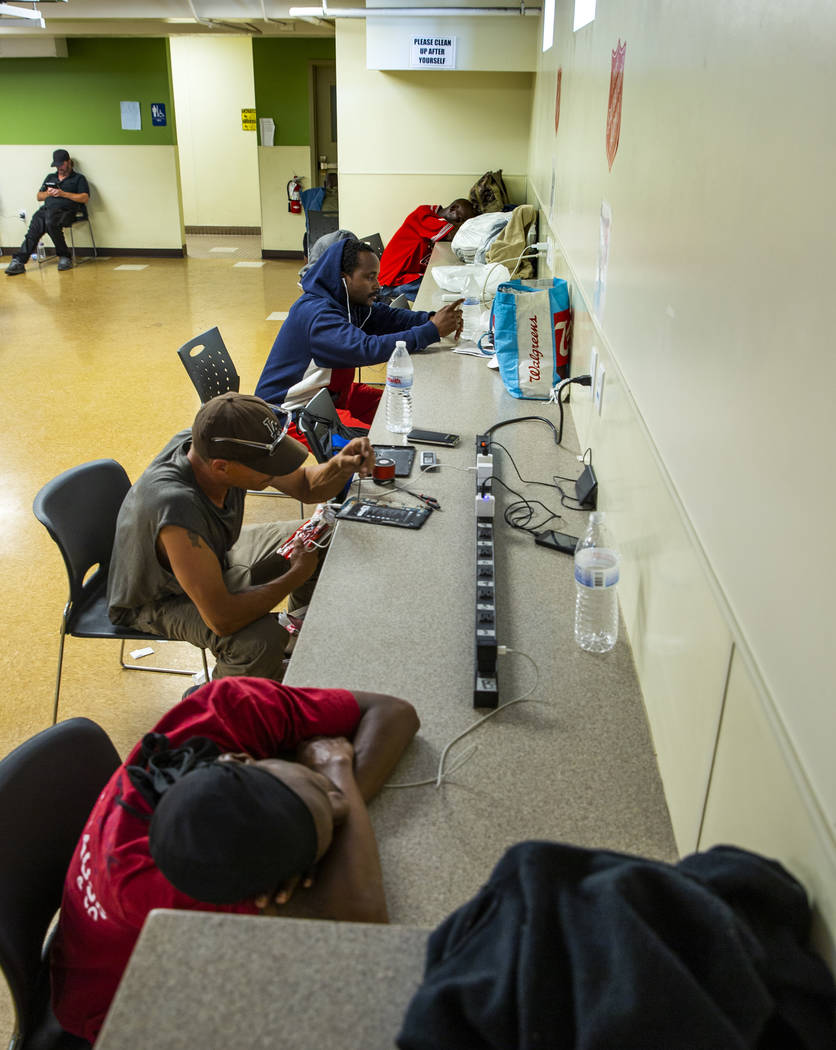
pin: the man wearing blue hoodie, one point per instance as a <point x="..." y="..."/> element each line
<point x="337" y="326"/>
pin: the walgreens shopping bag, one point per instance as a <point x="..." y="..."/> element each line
<point x="530" y="323"/>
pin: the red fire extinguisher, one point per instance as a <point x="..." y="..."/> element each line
<point x="294" y="195"/>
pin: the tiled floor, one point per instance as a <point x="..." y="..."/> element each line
<point x="91" y="370"/>
<point x="225" y="247"/>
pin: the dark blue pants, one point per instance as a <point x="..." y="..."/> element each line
<point x="44" y="221"/>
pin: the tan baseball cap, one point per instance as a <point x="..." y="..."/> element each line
<point x="246" y="429"/>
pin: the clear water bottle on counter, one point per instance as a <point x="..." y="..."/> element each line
<point x="596" y="583"/>
<point x="399" y="373"/>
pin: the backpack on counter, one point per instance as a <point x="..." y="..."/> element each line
<point x="489" y="193"/>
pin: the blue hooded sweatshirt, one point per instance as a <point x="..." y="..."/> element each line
<point x="323" y="331"/>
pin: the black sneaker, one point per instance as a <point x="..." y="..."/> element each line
<point x="14" y="267"/>
<point x="65" y="263"/>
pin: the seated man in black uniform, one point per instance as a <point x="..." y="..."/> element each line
<point x="62" y="191"/>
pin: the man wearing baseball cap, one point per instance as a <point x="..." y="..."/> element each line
<point x="185" y="567"/>
<point x="204" y="816"/>
<point x="62" y="191"/>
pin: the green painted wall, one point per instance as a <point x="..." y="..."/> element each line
<point x="76" y="99"/>
<point x="281" y="83"/>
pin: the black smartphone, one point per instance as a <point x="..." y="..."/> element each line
<point x="433" y="437"/>
<point x="558" y="541"/>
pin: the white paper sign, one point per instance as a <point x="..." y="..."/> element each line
<point x="604" y="230"/>
<point x="433" y="52"/>
<point x="131" y="116"/>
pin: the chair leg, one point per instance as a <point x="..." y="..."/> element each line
<point x="159" y="670"/>
<point x="58" y="673"/>
<point x="281" y="495"/>
<point x="92" y="239"/>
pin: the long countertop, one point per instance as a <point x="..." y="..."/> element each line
<point x="394" y="612"/>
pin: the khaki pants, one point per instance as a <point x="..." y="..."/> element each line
<point x="257" y="649"/>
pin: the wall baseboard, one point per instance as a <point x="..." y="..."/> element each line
<point x="156" y="253"/>
<point x="241" y="231"/>
<point x="279" y="253"/>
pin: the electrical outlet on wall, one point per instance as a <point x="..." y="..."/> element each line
<point x="599" y="388"/>
<point x="550" y="253"/>
<point x="593" y="370"/>
<point x="22" y="215"/>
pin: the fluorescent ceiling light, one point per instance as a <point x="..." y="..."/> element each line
<point x="548" y="24"/>
<point x="21" y="12"/>
<point x="584" y="13"/>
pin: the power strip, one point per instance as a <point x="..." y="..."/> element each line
<point x="485" y="685"/>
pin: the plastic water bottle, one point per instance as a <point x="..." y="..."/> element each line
<point x="596" y="580"/>
<point x="399" y="374"/>
<point x="471" y="314"/>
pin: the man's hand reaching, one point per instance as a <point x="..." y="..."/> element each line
<point x="357" y="456"/>
<point x="449" y="319"/>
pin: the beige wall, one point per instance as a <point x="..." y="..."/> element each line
<point x="714" y="442"/>
<point x="415" y="138"/>
<point x="134" y="201"/>
<point x="281" y="230"/>
<point x="213" y="81"/>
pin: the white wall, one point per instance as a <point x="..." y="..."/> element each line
<point x="717" y="427"/>
<point x="423" y="137"/>
<point x="213" y="81"/>
<point x="281" y="230"/>
<point x="134" y="201"/>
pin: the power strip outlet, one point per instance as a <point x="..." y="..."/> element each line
<point x="485" y="687"/>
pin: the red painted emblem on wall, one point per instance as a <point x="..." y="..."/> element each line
<point x="614" y="107"/>
<point x="557" y="99"/>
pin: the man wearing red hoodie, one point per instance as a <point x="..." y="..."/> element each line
<point x="405" y="258"/>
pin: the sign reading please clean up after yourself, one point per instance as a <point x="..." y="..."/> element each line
<point x="433" y="52"/>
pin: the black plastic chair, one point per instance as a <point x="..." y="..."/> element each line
<point x="79" y="510"/>
<point x="210" y="368"/>
<point x="48" y="787"/>
<point x="81" y="214"/>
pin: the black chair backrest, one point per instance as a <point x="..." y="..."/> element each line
<point x="79" y="510"/>
<point x="375" y="242"/>
<point x="48" y="787"/>
<point x="209" y="365"/>
<point x="321" y="222"/>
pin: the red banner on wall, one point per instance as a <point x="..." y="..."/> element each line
<point x="614" y="106"/>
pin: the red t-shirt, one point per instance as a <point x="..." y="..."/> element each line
<point x="113" y="883"/>
<point x="406" y="255"/>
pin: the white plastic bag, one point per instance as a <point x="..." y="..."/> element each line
<point x="475" y="280"/>
<point x="475" y="232"/>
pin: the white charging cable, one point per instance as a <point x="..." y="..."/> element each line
<point x="441" y="773"/>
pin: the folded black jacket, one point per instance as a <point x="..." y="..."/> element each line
<point x="594" y="950"/>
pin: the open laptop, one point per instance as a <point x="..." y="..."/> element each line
<point x="321" y="425"/>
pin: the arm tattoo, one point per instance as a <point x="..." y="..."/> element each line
<point x="194" y="537"/>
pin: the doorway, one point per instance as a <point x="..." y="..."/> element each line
<point x="324" y="124"/>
